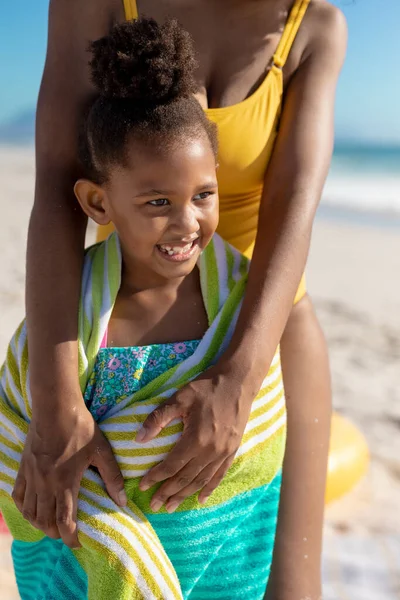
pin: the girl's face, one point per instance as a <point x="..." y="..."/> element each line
<point x="163" y="204"/>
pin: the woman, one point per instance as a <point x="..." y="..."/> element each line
<point x="241" y="61"/>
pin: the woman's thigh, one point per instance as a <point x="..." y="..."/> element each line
<point x="304" y="353"/>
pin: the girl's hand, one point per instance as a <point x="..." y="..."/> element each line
<point x="214" y="409"/>
<point x="57" y="452"/>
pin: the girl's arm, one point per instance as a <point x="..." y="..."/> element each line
<point x="221" y="399"/>
<point x="62" y="436"/>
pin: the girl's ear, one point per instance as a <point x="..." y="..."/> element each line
<point x="93" y="200"/>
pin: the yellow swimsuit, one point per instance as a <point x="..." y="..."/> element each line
<point x="246" y="134"/>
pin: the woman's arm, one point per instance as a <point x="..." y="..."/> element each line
<point x="62" y="437"/>
<point x="219" y="402"/>
<point x="58" y="225"/>
<point x="292" y="190"/>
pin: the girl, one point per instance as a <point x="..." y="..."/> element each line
<point x="267" y="76"/>
<point x="159" y="304"/>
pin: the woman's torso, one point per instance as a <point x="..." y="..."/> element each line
<point x="242" y="50"/>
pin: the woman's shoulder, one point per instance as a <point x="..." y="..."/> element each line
<point x="323" y="33"/>
<point x="324" y="24"/>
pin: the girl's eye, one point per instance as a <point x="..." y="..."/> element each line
<point x="159" y="202"/>
<point x="203" y="195"/>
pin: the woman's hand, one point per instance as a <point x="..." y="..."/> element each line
<point x="57" y="452"/>
<point x="214" y="409"/>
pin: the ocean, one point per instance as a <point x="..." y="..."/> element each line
<point x="363" y="184"/>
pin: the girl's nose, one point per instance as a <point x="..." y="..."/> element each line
<point x="185" y="222"/>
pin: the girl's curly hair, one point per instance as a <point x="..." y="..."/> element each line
<point x="144" y="75"/>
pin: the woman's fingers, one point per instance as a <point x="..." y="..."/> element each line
<point x="110" y="472"/>
<point x="180" y="455"/>
<point x="29" y="504"/>
<point x="46" y="515"/>
<point x="66" y="517"/>
<point x="157" y="420"/>
<point x="18" y="493"/>
<point x="216" y="479"/>
<point x="198" y="483"/>
<point x="176" y="484"/>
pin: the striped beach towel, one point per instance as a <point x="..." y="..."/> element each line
<point x="122" y="557"/>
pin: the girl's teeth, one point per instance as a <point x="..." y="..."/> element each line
<point x="171" y="250"/>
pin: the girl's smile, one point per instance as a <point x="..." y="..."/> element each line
<point x="179" y="251"/>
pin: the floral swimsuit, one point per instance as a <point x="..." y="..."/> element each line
<point x="120" y="372"/>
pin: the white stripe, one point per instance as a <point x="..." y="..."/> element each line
<point x="237" y="276"/>
<point x="6" y="470"/>
<point x="106" y="301"/>
<point x="121" y="553"/>
<point x="123" y="557"/>
<point x="267" y="416"/>
<point x="140" y="409"/>
<point x="132" y="427"/>
<point x="9" y="451"/>
<point x="13" y="347"/>
<point x="3" y="382"/>
<point x="146" y="530"/>
<point x="5" y="433"/>
<point x="86" y="294"/>
<point x="29" y="395"/>
<point x="227" y="338"/>
<point x="13" y="430"/>
<point x="156" y="443"/>
<point x="17" y="355"/>
<point x="4" y="485"/>
<point x="272" y="377"/>
<point x="133" y="461"/>
<point x="8" y="379"/>
<point x="132" y="473"/>
<point x="22" y="341"/>
<point x="267" y="398"/>
<point x="262" y="437"/>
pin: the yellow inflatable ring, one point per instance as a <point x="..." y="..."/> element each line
<point x="348" y="458"/>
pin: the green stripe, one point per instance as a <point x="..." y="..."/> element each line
<point x="230" y="264"/>
<point x="212" y="299"/>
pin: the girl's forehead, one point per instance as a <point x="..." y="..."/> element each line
<point x="150" y="167"/>
<point x="163" y="151"/>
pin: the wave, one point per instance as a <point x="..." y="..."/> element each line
<point x="366" y="192"/>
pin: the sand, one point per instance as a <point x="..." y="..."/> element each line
<point x="353" y="276"/>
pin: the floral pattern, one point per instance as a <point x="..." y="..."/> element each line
<point x="120" y="372"/>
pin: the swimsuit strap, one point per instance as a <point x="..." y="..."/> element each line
<point x="131" y="11"/>
<point x="289" y="33"/>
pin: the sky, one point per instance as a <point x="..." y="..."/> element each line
<point x="368" y="96"/>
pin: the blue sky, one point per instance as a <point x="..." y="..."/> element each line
<point x="368" y="97"/>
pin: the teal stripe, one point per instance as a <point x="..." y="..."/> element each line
<point x="59" y="590"/>
<point x="75" y="574"/>
<point x="254" y="592"/>
<point x="48" y="570"/>
<point x="218" y="534"/>
<point x="238" y="532"/>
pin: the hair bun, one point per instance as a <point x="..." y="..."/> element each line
<point x="145" y="62"/>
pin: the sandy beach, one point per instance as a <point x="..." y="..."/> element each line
<point x="353" y="276"/>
